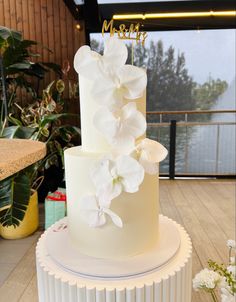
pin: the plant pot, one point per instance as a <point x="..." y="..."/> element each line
<point x="28" y="225"/>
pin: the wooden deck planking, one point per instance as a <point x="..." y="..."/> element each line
<point x="206" y="208"/>
<point x="20" y="278"/>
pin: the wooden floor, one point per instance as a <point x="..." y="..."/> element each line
<point x="206" y="208"/>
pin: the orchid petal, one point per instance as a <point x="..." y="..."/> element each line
<point x="106" y="123"/>
<point x="114" y="217"/>
<point x="105" y="93"/>
<point x="121" y="130"/>
<point x="86" y="62"/>
<point x="124" y="144"/>
<point x="115" y="53"/>
<point x="96" y="219"/>
<point x="89" y="211"/>
<point x="131" y="173"/>
<point x="150" y="154"/>
<point x="154" y="151"/>
<point x="134" y="121"/>
<point x="116" y="190"/>
<point x="149" y="167"/>
<point x="107" y="193"/>
<point x="134" y="80"/>
<point x="103" y="181"/>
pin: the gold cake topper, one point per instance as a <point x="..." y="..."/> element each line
<point x="126" y="33"/>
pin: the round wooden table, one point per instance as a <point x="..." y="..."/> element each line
<point x="17" y="154"/>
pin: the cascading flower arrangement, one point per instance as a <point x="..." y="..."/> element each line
<point x="120" y="122"/>
<point x="220" y="277"/>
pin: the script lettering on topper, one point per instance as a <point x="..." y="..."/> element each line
<point x="127" y="33"/>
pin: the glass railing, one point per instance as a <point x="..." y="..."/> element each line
<point x="205" y="141"/>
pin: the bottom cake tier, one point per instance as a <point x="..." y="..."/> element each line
<point x="169" y="281"/>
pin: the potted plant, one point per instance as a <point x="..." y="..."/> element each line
<point x="40" y="120"/>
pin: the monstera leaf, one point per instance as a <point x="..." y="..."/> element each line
<point x="18" y="132"/>
<point x="10" y="35"/>
<point x="14" y="199"/>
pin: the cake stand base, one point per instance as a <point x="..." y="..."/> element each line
<point x="169" y="282"/>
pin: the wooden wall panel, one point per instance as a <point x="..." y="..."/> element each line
<point x="50" y="23"/>
<point x="1" y="10"/>
<point x="19" y="24"/>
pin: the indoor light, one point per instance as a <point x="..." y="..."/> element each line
<point x="176" y="15"/>
<point x="78" y="26"/>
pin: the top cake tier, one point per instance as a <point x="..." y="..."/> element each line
<point x="106" y="82"/>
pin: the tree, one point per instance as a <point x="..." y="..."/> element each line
<point x="170" y="87"/>
<point x="206" y="94"/>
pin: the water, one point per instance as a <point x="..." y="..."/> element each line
<point x="211" y="149"/>
<point x="205" y="149"/>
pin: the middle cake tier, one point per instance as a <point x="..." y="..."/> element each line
<point x="139" y="212"/>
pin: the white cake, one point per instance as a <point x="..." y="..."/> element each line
<point x="112" y="178"/>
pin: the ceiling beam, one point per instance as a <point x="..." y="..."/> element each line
<point x="94" y="14"/>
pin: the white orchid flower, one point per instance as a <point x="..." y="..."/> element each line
<point x="116" y="80"/>
<point x="127" y="82"/>
<point x="91" y="64"/>
<point x="86" y="60"/>
<point x="121" y="174"/>
<point x="121" y="129"/>
<point x="150" y="153"/>
<point x="95" y="208"/>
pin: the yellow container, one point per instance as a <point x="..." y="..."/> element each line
<point x="28" y="225"/>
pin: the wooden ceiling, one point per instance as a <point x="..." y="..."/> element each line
<point x="94" y="14"/>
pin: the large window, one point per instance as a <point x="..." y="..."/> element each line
<point x="190" y="70"/>
<point x="186" y="69"/>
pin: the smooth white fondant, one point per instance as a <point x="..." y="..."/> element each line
<point x="86" y="266"/>
<point x="138" y="211"/>
<point x="92" y="139"/>
<point x="172" y="282"/>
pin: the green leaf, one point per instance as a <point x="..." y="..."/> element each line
<point x="18" y="132"/>
<point x="45" y="132"/>
<point x="20" y="66"/>
<point x="23" y="83"/>
<point x="28" y="43"/>
<point x="14" y="120"/>
<point x="66" y="132"/>
<point x="49" y="87"/>
<point x="51" y="118"/>
<point x="6" y="33"/>
<point x="17" y="194"/>
<point x="37" y="70"/>
<point x="5" y="192"/>
<point x="53" y="66"/>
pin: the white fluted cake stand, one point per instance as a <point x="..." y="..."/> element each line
<point x="162" y="275"/>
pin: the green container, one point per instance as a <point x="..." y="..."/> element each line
<point x="55" y="207"/>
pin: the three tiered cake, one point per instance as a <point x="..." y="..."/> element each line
<point x="113" y="246"/>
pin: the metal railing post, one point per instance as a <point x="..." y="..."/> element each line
<point x="217" y="148"/>
<point x="172" y="149"/>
